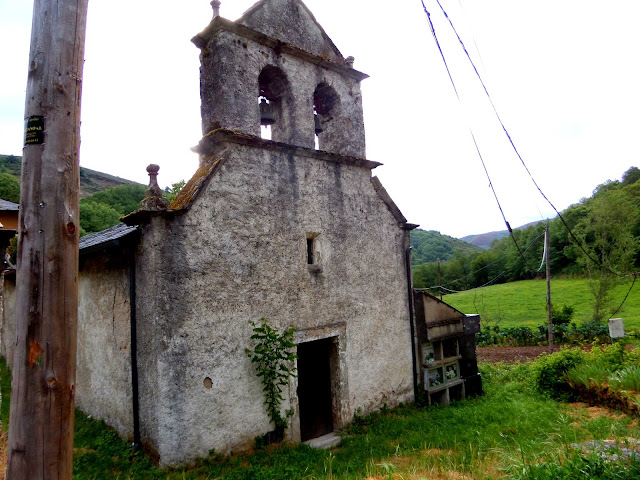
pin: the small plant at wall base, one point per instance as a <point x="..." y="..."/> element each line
<point x="273" y="356"/>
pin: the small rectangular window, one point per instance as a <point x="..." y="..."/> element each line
<point x="310" y="256"/>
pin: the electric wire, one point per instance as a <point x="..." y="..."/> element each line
<point x="575" y="239"/>
<point x="481" y="269"/>
<point x="435" y="37"/>
<point x="635" y="277"/>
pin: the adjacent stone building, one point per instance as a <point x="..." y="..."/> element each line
<point x="294" y="229"/>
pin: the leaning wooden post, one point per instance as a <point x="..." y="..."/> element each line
<point x="40" y="442"/>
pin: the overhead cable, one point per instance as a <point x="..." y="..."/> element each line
<point x="479" y="270"/>
<point x="435" y="37"/>
<point x="575" y="239"/>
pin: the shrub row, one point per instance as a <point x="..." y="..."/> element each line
<point x="570" y="333"/>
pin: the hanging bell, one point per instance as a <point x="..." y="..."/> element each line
<point x="266" y="113"/>
<point x="318" y="125"/>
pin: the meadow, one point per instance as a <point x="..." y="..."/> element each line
<point x="523" y="303"/>
<point x="512" y="432"/>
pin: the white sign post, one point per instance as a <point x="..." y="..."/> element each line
<point x="616" y="328"/>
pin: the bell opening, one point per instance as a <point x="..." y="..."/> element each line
<point x="267" y="116"/>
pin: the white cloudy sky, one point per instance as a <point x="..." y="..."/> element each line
<point x="563" y="74"/>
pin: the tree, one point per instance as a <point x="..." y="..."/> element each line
<point x="631" y="176"/>
<point x="124" y="199"/>
<point x="607" y="234"/>
<point x="95" y="216"/>
<point x="9" y="188"/>
<point x="175" y="190"/>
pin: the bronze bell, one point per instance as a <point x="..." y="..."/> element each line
<point x="317" y="122"/>
<point x="266" y="113"/>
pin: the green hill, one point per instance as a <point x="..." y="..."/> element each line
<point x="523" y="303"/>
<point x="103" y="198"/>
<point x="432" y="246"/>
<point x="91" y="181"/>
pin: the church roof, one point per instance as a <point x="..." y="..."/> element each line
<point x="267" y="23"/>
<point x="291" y="22"/>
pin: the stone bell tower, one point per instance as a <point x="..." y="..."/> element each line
<point x="278" y="53"/>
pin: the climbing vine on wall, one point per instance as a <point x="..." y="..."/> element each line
<point x="273" y="355"/>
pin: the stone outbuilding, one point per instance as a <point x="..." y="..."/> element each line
<point x="447" y="350"/>
<point x="294" y="229"/>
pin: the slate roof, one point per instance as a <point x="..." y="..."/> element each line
<point x="107" y="237"/>
<point x="8" y="206"/>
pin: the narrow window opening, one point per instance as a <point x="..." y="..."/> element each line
<point x="310" y="254"/>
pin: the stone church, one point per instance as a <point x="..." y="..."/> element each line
<point x="294" y="229"/>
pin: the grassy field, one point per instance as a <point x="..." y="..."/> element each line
<point x="509" y="433"/>
<point x="523" y="303"/>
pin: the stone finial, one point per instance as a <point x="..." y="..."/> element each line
<point x="153" y="199"/>
<point x="216" y="8"/>
<point x="349" y="61"/>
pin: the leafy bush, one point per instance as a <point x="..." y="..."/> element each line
<point x="562" y="315"/>
<point x="628" y="378"/>
<point x="549" y="373"/>
<point x="588" y="332"/>
<point x="578" y="466"/>
<point x="592" y="331"/>
<point x="612" y="357"/>
<point x="272" y="355"/>
<point x="9" y="188"/>
<point x="588" y="374"/>
<point x="95" y="217"/>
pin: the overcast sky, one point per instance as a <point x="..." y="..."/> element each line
<point x="564" y="76"/>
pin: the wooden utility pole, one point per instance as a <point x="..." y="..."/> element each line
<point x="40" y="442"/>
<point x="549" y="312"/>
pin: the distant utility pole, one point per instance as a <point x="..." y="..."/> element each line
<point x="549" y="312"/>
<point x="40" y="442"/>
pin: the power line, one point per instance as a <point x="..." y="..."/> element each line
<point x="569" y="230"/>
<point x="464" y="48"/>
<point x="435" y="37"/>
<point x="481" y="269"/>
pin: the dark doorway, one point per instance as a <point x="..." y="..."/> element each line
<point x="314" y="388"/>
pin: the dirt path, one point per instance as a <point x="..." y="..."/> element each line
<point x="510" y="354"/>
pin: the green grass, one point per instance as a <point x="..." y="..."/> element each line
<point x="504" y="434"/>
<point x="523" y="303"/>
<point x="5" y="392"/>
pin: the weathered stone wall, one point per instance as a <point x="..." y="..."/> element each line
<point x="103" y="372"/>
<point x="8" y="318"/>
<point x="239" y="254"/>
<point x="103" y="376"/>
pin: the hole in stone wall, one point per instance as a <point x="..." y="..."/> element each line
<point x="273" y="88"/>
<point x="310" y="253"/>
<point x="325" y="102"/>
<point x="208" y="383"/>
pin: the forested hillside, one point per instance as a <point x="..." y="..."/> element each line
<point x="103" y="198"/>
<point x="91" y="181"/>
<point x="431" y="246"/>
<point x="485" y="240"/>
<point x="606" y="227"/>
